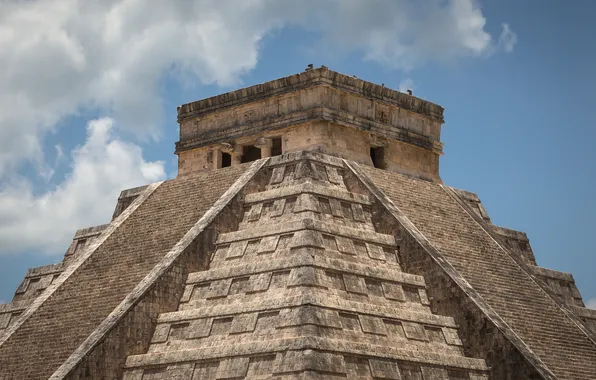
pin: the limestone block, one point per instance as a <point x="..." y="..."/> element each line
<point x="135" y="374"/>
<point x="384" y="369"/>
<point x="161" y="333"/>
<point x="244" y="323"/>
<point x="434" y="373"/>
<point x="336" y="209"/>
<point x="23" y="286"/>
<point x="199" y="328"/>
<point x="355" y="284"/>
<point x="277" y="209"/>
<point x="423" y="297"/>
<point x="372" y="325"/>
<point x="45" y="281"/>
<point x="179" y="372"/>
<point x="451" y="336"/>
<point x="333" y="175"/>
<point x="357" y="367"/>
<point x="393" y="291"/>
<point x="345" y="245"/>
<point x="414" y="331"/>
<point x="188" y="289"/>
<point x="218" y="288"/>
<point x="295" y="361"/>
<point x="260" y="282"/>
<point x="205" y="370"/>
<point x="303" y="276"/>
<point x="304" y="170"/>
<point x="319" y="171"/>
<point x="277" y="175"/>
<point x="255" y="212"/>
<point x="375" y="251"/>
<point x="474" y="376"/>
<point x="306" y="202"/>
<point x="4" y="320"/>
<point x="458" y="375"/>
<point x="410" y="371"/>
<point x="268" y="244"/>
<point x="435" y="334"/>
<point x="307" y="238"/>
<point x="328" y="318"/>
<point x="358" y="212"/>
<point x="236" y="249"/>
<point x="232" y="368"/>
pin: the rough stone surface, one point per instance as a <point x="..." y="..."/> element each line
<point x="309" y="264"/>
<point x="319" y="110"/>
<point x="297" y="292"/>
<point x="46" y="339"/>
<point x="494" y="276"/>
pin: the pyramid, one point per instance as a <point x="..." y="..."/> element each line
<point x="308" y="235"/>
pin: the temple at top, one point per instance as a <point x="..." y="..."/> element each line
<point x="316" y="110"/>
<point x="307" y="236"/>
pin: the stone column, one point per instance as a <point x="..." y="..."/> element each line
<point x="236" y="155"/>
<point x="216" y="158"/>
<point x="265" y="146"/>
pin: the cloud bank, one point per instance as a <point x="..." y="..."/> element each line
<point x="64" y="58"/>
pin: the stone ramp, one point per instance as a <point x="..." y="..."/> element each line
<point x="44" y="340"/>
<point x="492" y="272"/>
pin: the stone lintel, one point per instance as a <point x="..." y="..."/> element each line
<point x="238" y="129"/>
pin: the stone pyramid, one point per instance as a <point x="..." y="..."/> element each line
<point x="337" y="253"/>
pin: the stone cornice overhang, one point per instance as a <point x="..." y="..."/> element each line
<point x="311" y="78"/>
<point x="303" y="116"/>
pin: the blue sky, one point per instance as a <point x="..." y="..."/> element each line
<point x="89" y="96"/>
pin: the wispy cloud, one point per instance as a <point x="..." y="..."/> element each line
<point x="591" y="303"/>
<point x="102" y="167"/>
<point x="507" y="39"/>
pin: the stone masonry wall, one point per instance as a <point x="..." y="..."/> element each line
<point x="49" y="336"/>
<point x="537" y="323"/>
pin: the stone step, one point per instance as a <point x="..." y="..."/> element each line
<point x="224" y="332"/>
<point x="308" y="224"/>
<point x="328" y="306"/>
<point x="276" y="248"/>
<point x="308" y="188"/>
<point x="279" y="346"/>
<point x="305" y="257"/>
<point x="268" y="218"/>
<point x="412" y="298"/>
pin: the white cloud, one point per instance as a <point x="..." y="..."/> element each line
<point x="405" y="34"/>
<point x="101" y="167"/>
<point x="508" y="38"/>
<point x="591" y="303"/>
<point x="61" y="57"/>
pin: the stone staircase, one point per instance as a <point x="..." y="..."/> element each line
<point x="305" y="289"/>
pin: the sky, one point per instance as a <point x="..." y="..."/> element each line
<point x="89" y="90"/>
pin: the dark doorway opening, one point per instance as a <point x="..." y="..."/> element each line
<point x="378" y="157"/>
<point x="226" y="160"/>
<point x="276" y="146"/>
<point x="250" y="153"/>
